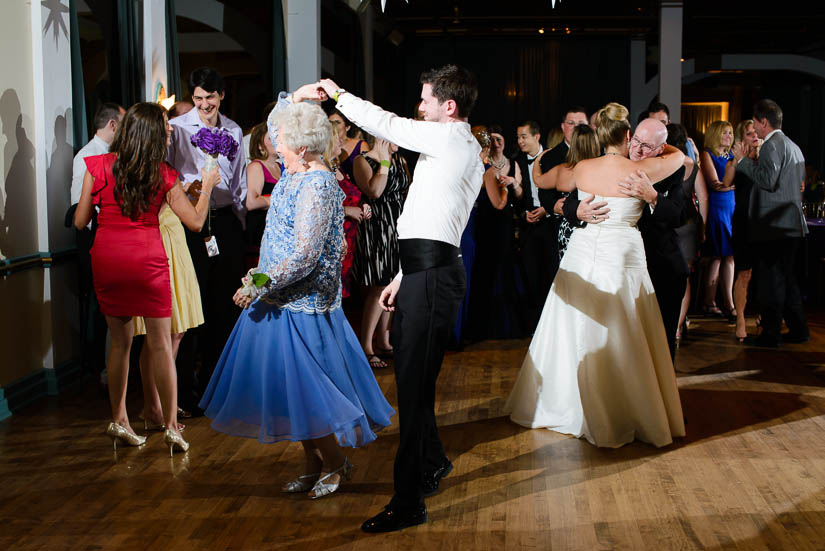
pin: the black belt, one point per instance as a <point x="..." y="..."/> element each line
<point x="221" y="210"/>
<point x="422" y="254"/>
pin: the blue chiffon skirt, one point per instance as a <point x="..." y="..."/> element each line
<point x="285" y="375"/>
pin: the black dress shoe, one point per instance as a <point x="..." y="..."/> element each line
<point x="429" y="484"/>
<point x="795" y="339"/>
<point x="761" y="342"/>
<point x="392" y="519"/>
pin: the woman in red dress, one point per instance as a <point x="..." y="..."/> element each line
<point x="130" y="269"/>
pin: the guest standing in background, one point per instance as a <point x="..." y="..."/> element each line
<point x="468" y="240"/>
<point x="383" y="178"/>
<point x="354" y="143"/>
<point x="131" y="270"/>
<point x="106" y="121"/>
<point x="262" y="173"/>
<point x="743" y="252"/>
<point x="355" y="213"/>
<point x="496" y="309"/>
<point x="218" y="274"/>
<point x="695" y="208"/>
<point x="776" y="226"/>
<point x="719" y="172"/>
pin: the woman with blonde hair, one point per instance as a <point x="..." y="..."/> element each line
<point x="599" y="364"/>
<point x="742" y="252"/>
<point x="718" y="170"/>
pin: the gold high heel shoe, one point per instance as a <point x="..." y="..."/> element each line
<point x="116" y="432"/>
<point x="303" y="483"/>
<point x="174" y="440"/>
<point x="321" y="488"/>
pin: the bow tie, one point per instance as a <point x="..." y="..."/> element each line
<point x="530" y="161"/>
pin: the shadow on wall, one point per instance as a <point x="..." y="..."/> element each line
<point x="18" y="223"/>
<point x="58" y="184"/>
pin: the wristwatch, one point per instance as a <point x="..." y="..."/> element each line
<point x="338" y="93"/>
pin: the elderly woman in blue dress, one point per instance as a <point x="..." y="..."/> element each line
<point x="292" y="368"/>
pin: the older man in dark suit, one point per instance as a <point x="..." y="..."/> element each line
<point x="777" y="226"/>
<point x="665" y="263"/>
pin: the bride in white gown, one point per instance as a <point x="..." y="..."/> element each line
<point x="599" y="366"/>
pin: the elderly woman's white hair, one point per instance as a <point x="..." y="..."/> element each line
<point x="302" y="125"/>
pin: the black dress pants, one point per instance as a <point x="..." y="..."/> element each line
<point x="218" y="277"/>
<point x="540" y="260"/>
<point x="427" y="306"/>
<point x="670" y="290"/>
<point x="778" y="289"/>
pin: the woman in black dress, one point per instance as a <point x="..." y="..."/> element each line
<point x="742" y="253"/>
<point x="383" y="178"/>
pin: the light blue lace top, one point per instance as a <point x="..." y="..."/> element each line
<point x="303" y="242"/>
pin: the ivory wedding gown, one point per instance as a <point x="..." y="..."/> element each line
<point x="599" y="365"/>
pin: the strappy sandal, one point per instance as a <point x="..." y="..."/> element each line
<point x="376" y="362"/>
<point x="323" y="488"/>
<point x="303" y="483"/>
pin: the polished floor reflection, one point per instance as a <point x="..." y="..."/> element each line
<point x="749" y="475"/>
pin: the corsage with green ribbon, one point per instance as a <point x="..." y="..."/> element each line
<point x="254" y="283"/>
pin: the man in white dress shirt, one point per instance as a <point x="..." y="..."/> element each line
<point x="446" y="182"/>
<point x="107" y="119"/>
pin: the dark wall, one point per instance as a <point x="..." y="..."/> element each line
<point x="518" y="79"/>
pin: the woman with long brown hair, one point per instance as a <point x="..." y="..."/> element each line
<point x="131" y="272"/>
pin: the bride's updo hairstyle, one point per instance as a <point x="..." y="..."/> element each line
<point x="611" y="125"/>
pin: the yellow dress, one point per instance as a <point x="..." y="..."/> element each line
<point x="186" y="295"/>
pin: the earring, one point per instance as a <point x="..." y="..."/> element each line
<point x="301" y="158"/>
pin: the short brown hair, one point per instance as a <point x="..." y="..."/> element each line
<point x="455" y="83"/>
<point x="256" y="142"/>
<point x="768" y="109"/>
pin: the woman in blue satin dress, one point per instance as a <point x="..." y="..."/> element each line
<point x="719" y="171"/>
<point x="292" y="368"/>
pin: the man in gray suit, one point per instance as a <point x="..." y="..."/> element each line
<point x="776" y="226"/>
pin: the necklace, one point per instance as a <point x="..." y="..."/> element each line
<point x="498" y="165"/>
<point x="611" y="153"/>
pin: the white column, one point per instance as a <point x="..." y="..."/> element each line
<point x="670" y="57"/>
<point x="154" y="50"/>
<point x="638" y="99"/>
<point x="303" y="42"/>
<point x="52" y="86"/>
<point x="366" y="18"/>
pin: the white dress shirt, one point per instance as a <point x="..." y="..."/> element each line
<point x="447" y="177"/>
<point x="533" y="186"/>
<point x="188" y="160"/>
<point x="95" y="147"/>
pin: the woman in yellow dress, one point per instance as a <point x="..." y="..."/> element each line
<point x="187" y="312"/>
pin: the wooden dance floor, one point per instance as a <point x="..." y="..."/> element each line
<point x="750" y="474"/>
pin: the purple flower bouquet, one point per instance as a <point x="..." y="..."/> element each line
<point x="214" y="142"/>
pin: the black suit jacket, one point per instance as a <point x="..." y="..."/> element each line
<point x="658" y="228"/>
<point x="525" y="204"/>
<point x="554" y="157"/>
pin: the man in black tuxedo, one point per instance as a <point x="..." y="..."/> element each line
<point x="551" y="199"/>
<point x="665" y="263"/>
<point x="539" y="245"/>
<point x="776" y="226"/>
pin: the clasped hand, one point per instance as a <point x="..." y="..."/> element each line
<point x="638" y="185"/>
